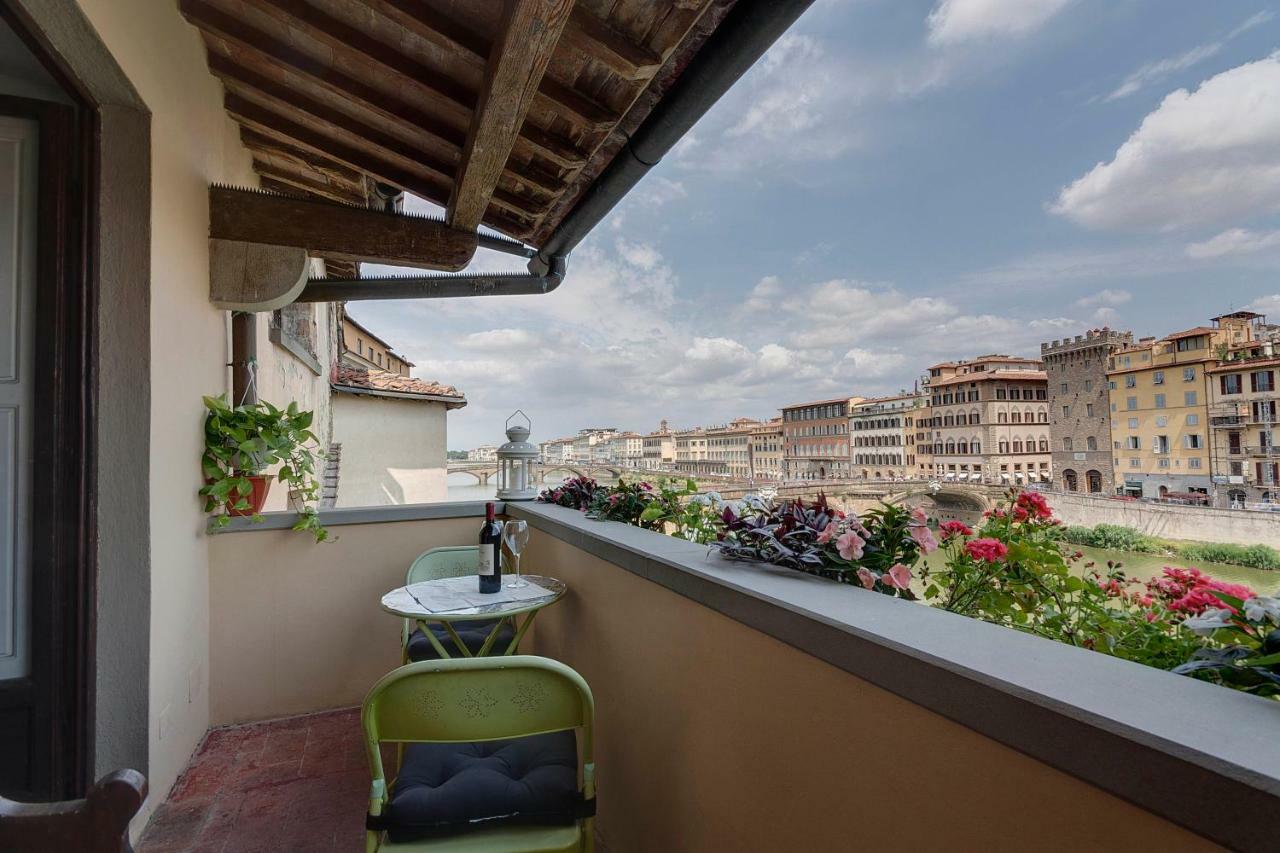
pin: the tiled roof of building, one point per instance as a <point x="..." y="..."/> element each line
<point x="1191" y="333"/>
<point x="988" y="375"/>
<point x="362" y="380"/>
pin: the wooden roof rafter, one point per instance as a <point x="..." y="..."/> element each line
<point x="501" y="111"/>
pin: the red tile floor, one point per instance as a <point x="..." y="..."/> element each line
<point x="299" y="784"/>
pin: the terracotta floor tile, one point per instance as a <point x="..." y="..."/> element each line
<point x="288" y="785"/>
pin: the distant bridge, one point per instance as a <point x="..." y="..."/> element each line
<point x="974" y="497"/>
<point x="484" y="471"/>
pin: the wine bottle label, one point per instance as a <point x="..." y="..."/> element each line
<point x="486" y="559"/>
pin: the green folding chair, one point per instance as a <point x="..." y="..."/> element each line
<point x="463" y="783"/>
<point x="451" y="561"/>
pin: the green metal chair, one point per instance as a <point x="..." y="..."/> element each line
<point x="470" y="700"/>
<point x="450" y="561"/>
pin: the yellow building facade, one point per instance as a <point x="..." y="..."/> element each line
<point x="1159" y="400"/>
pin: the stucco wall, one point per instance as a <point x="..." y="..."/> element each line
<point x="1241" y="527"/>
<point x="193" y="143"/>
<point x="714" y="736"/>
<point x="297" y="626"/>
<point x="393" y="451"/>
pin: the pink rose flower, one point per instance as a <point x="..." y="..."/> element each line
<point x="918" y="516"/>
<point x="827" y="532"/>
<point x="898" y="577"/>
<point x="850" y="546"/>
<point x="924" y="538"/>
<point x="866" y="578"/>
<point x="987" y="550"/>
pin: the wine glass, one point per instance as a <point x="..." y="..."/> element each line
<point x="516" y="535"/>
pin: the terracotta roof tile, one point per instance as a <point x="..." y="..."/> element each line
<point x="394" y="383"/>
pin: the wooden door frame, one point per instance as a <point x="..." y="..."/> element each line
<point x="60" y="687"/>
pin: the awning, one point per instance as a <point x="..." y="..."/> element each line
<point x="951" y="475"/>
<point x="975" y="476"/>
<point x="1046" y="476"/>
<point x="1005" y="477"/>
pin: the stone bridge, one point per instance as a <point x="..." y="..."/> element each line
<point x="484" y="471"/>
<point x="968" y="497"/>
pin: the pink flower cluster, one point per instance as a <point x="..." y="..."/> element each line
<point x="920" y="532"/>
<point x="898" y="577"/>
<point x="952" y="529"/>
<point x="987" y="550"/>
<point x="1033" y="505"/>
<point x="1191" y="591"/>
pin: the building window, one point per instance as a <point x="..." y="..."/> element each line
<point x="1135" y="463"/>
<point x="1131" y="403"/>
<point x="1193" y="420"/>
<point x="1133" y="442"/>
<point x="1263" y="380"/>
<point x="1044" y="445"/>
<point x="1066" y="412"/>
<point x="1066" y="445"/>
<point x="1133" y="423"/>
<point x="1131" y="381"/>
<point x="1160" y="402"/>
<point x="1162" y="462"/>
<point x="1157" y="378"/>
<point x="1193" y="441"/>
<point x="1230" y="383"/>
<point x="1091" y="443"/>
<point x="1194" y="462"/>
<point x="1064" y="388"/>
<point x="1188" y="374"/>
<point x="1111" y="385"/>
<point x="1088" y="410"/>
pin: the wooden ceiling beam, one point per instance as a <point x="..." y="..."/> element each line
<point x="440" y="29"/>
<point x="305" y="161"/>
<point x="289" y="184"/>
<point x="267" y="50"/>
<point x="597" y="39"/>
<point x="518" y="59"/>
<point x="261" y="121"/>
<point x="338" y="230"/>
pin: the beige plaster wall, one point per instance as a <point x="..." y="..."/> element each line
<point x="393" y="451"/>
<point x="714" y="736"/>
<point x="193" y="143"/>
<point x="297" y="626"/>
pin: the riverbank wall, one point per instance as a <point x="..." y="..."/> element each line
<point x="1169" y="521"/>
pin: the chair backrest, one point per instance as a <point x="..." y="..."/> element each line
<point x="478" y="699"/>
<point x="452" y="561"/>
<point x="97" y="824"/>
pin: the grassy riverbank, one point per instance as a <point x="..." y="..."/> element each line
<point x="1116" y="538"/>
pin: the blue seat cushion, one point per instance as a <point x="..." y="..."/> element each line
<point x="472" y="633"/>
<point x="446" y="788"/>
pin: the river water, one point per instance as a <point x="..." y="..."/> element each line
<point x="463" y="487"/>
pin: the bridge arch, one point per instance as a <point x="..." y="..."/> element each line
<point x="945" y="496"/>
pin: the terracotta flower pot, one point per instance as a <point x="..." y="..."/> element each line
<point x="258" y="497"/>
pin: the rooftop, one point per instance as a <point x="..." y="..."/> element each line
<point x="356" y="380"/>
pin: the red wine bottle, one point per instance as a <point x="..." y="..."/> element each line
<point x="490" y="567"/>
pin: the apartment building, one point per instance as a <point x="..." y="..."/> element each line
<point x="816" y="439"/>
<point x="362" y="348"/>
<point x="485" y="453"/>
<point x="659" y="449"/>
<point x="767" y="450"/>
<point x="557" y="451"/>
<point x="1243" y="424"/>
<point x="693" y="455"/>
<point x="731" y="444"/>
<point x="989" y="419"/>
<point x="882" y="436"/>
<point x="1160" y="413"/>
<point x="1079" y="408"/>
<point x="592" y="444"/>
<point x="627" y="448"/>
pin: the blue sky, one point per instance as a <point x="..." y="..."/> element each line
<point x="895" y="183"/>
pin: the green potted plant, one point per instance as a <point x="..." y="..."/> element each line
<point x="241" y="443"/>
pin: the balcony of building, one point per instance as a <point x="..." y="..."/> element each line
<point x="738" y="707"/>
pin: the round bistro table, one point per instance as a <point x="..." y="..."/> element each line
<point x="407" y="602"/>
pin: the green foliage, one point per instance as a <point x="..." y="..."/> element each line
<point x="1031" y="587"/>
<point x="1113" y="537"/>
<point x="244" y="440"/>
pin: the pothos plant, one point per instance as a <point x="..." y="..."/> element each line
<point x="247" y="440"/>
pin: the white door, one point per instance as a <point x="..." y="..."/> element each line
<point x="17" y="328"/>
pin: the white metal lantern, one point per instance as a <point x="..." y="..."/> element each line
<point x="516" y="459"/>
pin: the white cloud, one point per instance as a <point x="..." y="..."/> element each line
<point x="1234" y="241"/>
<point x="1105" y="298"/>
<point x="1200" y="158"/>
<point x="953" y="21"/>
<point x="1155" y="72"/>
<point x="1269" y="304"/>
